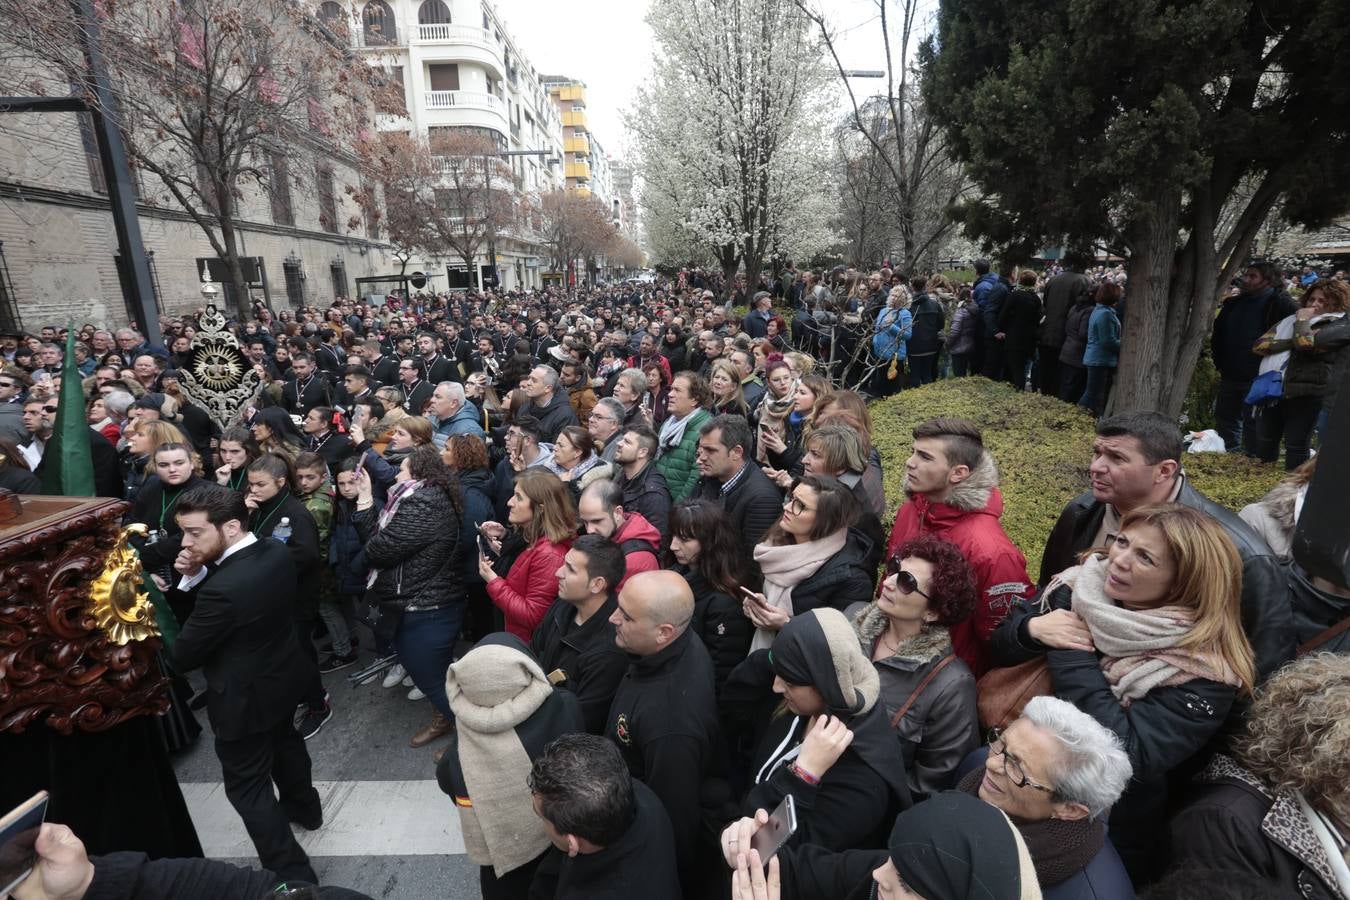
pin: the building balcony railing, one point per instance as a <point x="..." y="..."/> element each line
<point x="454" y="34"/>
<point x="577" y="145"/>
<point x="578" y="170"/>
<point x="574" y="119"/>
<point x="465" y="100"/>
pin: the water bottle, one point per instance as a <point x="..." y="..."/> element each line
<point x="283" y="530"/>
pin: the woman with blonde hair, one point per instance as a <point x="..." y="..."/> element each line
<point x="1146" y="637"/>
<point x="1278" y="808"/>
<point x="544" y="521"/>
<point x="727" y="394"/>
<point x="142" y="436"/>
<point x="785" y="450"/>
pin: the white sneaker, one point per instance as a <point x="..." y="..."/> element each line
<point x="407" y="681"/>
<point x="416" y="694"/>
<point x="393" y="676"/>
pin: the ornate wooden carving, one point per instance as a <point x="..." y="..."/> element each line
<point x="56" y="664"/>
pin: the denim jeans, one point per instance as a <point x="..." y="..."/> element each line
<point x="425" y="642"/>
<point x="922" y="369"/>
<point x="1235" y="420"/>
<point x="1098" y="386"/>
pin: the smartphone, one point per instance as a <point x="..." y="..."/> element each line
<point x="485" y="547"/>
<point x="774" y="833"/>
<point x="754" y="597"/>
<point x="18" y="841"/>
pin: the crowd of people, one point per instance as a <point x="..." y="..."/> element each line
<point x="633" y="552"/>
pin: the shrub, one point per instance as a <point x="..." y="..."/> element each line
<point x="1043" y="447"/>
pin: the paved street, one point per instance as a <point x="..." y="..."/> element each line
<point x="388" y="830"/>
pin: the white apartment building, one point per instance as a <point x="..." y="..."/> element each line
<point x="460" y="69"/>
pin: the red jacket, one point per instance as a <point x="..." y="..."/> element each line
<point x="637" y="558"/>
<point x="530" y="588"/>
<point x="969" y="518"/>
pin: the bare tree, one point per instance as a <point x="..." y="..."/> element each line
<point x="212" y="96"/>
<point x="574" y="227"/>
<point x="922" y="179"/>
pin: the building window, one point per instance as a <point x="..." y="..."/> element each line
<point x="333" y="17"/>
<point x="97" y="181"/>
<point x="338" y="271"/>
<point x="10" y="320"/>
<point x="433" y="12"/>
<point x="323" y="182"/>
<point x="444" y="76"/>
<point x="295" y="281"/>
<point x="377" y="24"/>
<point x="280" y="191"/>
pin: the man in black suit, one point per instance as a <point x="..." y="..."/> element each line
<point x="416" y="389"/>
<point x="240" y="634"/>
<point x="307" y="388"/>
<point x="383" y="368"/>
<point x="435" y="367"/>
<point x="734" y="481"/>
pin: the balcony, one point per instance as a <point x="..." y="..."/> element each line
<point x="465" y="100"/>
<point x="454" y="34"/>
<point x="577" y="145"/>
<point x="574" y="119"/>
<point x="571" y="92"/>
<point x="578" y="170"/>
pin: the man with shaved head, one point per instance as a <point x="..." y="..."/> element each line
<point x="664" y="715"/>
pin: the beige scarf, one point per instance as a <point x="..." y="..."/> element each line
<point x="1139" y="647"/>
<point x="787" y="565"/>
<point x="491" y="690"/>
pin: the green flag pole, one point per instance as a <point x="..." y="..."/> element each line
<point x="67" y="461"/>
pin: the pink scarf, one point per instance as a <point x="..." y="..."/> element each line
<point x="787" y="565"/>
<point x="396" y="495"/>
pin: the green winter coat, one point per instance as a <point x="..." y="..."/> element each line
<point x="678" y="463"/>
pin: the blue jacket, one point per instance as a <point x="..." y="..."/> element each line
<point x="466" y="421"/>
<point x="1103" y="342"/>
<point x="476" y="490"/>
<point x="990" y="301"/>
<point x="891" y="337"/>
<point x="346" y="550"/>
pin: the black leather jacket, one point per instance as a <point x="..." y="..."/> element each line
<point x="1267" y="616"/>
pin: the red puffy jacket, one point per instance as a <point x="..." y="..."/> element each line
<point x="530" y="588"/>
<point x="969" y="518"/>
<point x="639" y="540"/>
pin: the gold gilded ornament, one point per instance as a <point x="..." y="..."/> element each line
<point x="121" y="609"/>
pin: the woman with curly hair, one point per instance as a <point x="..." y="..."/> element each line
<point x="929" y="693"/>
<point x="1278" y="809"/>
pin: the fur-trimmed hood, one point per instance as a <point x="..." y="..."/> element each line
<point x="934" y="640"/>
<point x="974" y="494"/>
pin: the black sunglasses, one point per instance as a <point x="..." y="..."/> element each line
<point x="906" y="581"/>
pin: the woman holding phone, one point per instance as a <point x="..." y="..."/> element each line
<point x="810" y="558"/>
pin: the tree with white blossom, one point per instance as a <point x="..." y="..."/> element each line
<point x="728" y="130"/>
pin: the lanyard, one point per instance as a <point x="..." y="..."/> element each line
<point x="234" y="485"/>
<point x="270" y="513"/>
<point x="165" y="504"/>
<point x="301" y="388"/>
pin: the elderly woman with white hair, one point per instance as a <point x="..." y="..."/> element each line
<point x="1056" y="771"/>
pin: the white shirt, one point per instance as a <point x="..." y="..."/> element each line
<point x="186" y="584"/>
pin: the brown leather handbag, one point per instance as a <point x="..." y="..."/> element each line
<point x="1000" y="694"/>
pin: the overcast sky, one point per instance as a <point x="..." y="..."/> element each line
<point x="607" y="44"/>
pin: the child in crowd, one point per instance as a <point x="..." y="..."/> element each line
<point x="316" y="492"/>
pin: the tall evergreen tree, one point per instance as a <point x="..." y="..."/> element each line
<point x="1162" y="130"/>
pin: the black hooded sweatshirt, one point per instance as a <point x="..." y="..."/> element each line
<point x="856" y="801"/>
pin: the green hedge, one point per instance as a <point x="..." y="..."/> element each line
<point x="1042" y="446"/>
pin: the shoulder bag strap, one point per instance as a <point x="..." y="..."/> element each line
<point x="1319" y="639"/>
<point x="927" y="679"/>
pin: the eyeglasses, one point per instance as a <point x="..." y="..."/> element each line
<point x="795" y="506"/>
<point x="906" y="581"/>
<point x="1012" y="767"/>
